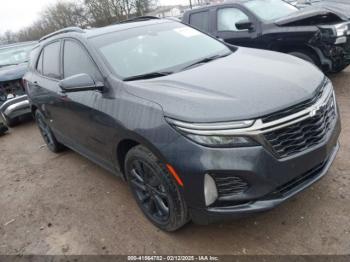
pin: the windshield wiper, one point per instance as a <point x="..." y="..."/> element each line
<point x="7" y="65"/>
<point x="206" y="60"/>
<point x="147" y="76"/>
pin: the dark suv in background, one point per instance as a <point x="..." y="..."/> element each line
<point x="199" y="129"/>
<point x="317" y="35"/>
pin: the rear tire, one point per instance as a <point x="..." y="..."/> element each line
<point x="11" y="122"/>
<point x="155" y="190"/>
<point x="47" y="134"/>
<point x="3" y="129"/>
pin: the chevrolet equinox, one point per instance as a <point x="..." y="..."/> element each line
<point x="199" y="129"/>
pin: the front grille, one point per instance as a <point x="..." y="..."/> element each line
<point x="10" y="88"/>
<point x="228" y="185"/>
<point x="305" y="134"/>
<point x="291" y="185"/>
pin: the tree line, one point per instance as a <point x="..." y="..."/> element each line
<point x="82" y="13"/>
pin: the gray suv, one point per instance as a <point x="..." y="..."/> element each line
<point x="13" y="64"/>
<point x="199" y="129"/>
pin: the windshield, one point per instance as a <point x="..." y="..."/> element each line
<point x="15" y="54"/>
<point x="163" y="47"/>
<point x="270" y="10"/>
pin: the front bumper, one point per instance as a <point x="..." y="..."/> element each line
<point x="15" y="107"/>
<point x="335" y="57"/>
<point x="214" y="214"/>
<point x="264" y="173"/>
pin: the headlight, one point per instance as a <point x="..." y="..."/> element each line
<point x="226" y="141"/>
<point x="341" y="29"/>
<point x="213" y="134"/>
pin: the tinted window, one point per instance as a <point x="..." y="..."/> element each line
<point x="228" y="17"/>
<point x="76" y="61"/>
<point x="39" y="66"/>
<point x="15" y="54"/>
<point x="51" y="63"/>
<point x="200" y="20"/>
<point x="159" y="47"/>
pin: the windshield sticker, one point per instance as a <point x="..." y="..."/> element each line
<point x="187" y="31"/>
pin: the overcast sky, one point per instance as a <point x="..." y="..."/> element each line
<point x="16" y="14"/>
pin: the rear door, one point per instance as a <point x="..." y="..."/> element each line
<point x="200" y="20"/>
<point x="43" y="86"/>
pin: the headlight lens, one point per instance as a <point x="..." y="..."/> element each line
<point x="213" y="134"/>
<point x="341" y="29"/>
<point x="222" y="141"/>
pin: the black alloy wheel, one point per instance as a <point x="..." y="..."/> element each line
<point x="155" y="190"/>
<point x="149" y="191"/>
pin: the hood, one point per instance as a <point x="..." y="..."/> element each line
<point x="248" y="84"/>
<point x="336" y="7"/>
<point x="310" y="16"/>
<point x="12" y="72"/>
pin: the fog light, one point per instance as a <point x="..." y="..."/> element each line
<point x="341" y="40"/>
<point x="210" y="191"/>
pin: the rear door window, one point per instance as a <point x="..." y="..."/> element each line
<point x="200" y="20"/>
<point x="51" y="60"/>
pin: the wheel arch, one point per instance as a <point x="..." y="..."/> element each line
<point x="306" y="49"/>
<point x="126" y="144"/>
<point x="123" y="148"/>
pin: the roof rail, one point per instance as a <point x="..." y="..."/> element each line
<point x="137" y="19"/>
<point x="62" y="31"/>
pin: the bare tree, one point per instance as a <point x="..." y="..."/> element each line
<point x="82" y="13"/>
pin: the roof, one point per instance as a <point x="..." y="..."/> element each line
<point x="205" y="7"/>
<point x="123" y="26"/>
<point x="89" y="33"/>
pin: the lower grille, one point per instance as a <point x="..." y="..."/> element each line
<point x="286" y="188"/>
<point x="305" y="134"/>
<point x="228" y="185"/>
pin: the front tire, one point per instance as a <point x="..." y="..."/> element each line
<point x="47" y="134"/>
<point x="155" y="190"/>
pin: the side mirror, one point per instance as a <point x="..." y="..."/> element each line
<point x="78" y="83"/>
<point x="245" y="25"/>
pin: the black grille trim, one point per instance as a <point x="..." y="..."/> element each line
<point x="303" y="135"/>
<point x="228" y="185"/>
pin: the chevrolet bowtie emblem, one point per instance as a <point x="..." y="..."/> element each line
<point x="314" y="111"/>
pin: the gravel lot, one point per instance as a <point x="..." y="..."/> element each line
<point x="65" y="204"/>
